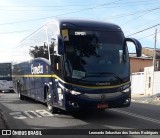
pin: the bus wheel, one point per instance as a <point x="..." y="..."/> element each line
<point x="49" y="103"/>
<point x="21" y="97"/>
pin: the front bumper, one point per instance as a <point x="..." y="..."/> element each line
<point x="91" y="102"/>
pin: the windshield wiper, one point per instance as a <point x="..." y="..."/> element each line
<point x="89" y="76"/>
<point x="108" y="73"/>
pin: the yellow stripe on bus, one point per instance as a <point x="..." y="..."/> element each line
<point x="55" y="76"/>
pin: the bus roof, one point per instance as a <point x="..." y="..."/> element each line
<point x="80" y="23"/>
<point x="87" y="24"/>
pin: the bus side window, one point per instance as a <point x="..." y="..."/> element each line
<point x="39" y="51"/>
<point x="38" y="46"/>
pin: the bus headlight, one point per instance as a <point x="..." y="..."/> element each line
<point x="126" y="90"/>
<point x="75" y="92"/>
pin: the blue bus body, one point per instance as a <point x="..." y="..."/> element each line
<point x="65" y="64"/>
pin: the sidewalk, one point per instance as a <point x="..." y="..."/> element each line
<point x="138" y="98"/>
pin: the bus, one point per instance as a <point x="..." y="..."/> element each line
<point x="74" y="64"/>
<point x="6" y="84"/>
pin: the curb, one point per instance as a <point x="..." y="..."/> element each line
<point x="152" y="101"/>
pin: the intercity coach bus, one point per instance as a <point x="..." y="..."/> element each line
<point x="6" y="84"/>
<point x="75" y="64"/>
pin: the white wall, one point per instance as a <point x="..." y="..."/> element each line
<point x="156" y="83"/>
<point x="140" y="82"/>
<point x="137" y="83"/>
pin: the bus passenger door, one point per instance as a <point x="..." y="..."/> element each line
<point x="57" y="65"/>
<point x="57" y="91"/>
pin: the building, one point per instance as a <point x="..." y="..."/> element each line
<point x="146" y="60"/>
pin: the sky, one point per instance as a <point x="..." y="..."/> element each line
<point x="19" y="18"/>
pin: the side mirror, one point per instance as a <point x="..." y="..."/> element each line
<point x="137" y="44"/>
<point x="60" y="46"/>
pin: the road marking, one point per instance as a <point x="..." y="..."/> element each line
<point x="137" y="116"/>
<point x="30" y="114"/>
<point x="18" y="115"/>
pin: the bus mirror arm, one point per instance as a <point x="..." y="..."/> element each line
<point x="137" y="45"/>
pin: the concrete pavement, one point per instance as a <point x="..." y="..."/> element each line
<point x="2" y="121"/>
<point x="3" y="124"/>
<point x="155" y="99"/>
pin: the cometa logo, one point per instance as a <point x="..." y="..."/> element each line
<point x="37" y="69"/>
<point x="103" y="84"/>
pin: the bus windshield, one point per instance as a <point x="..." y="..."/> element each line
<point x="96" y="56"/>
<point x="5" y="71"/>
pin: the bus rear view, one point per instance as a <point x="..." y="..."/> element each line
<point x="81" y="65"/>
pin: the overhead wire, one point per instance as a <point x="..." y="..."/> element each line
<point x="97" y="6"/>
<point x="13" y="32"/>
<point x="118" y="16"/>
<point x="85" y="9"/>
<point x="133" y="13"/>
<point x="80" y="5"/>
<point x="144" y="25"/>
<point x="113" y="17"/>
<point x="144" y="30"/>
<point x="118" y="4"/>
<point x="49" y="8"/>
<point x="148" y="28"/>
<point x="147" y="12"/>
<point x="149" y="35"/>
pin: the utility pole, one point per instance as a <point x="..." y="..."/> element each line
<point x="154" y="59"/>
<point x="154" y="53"/>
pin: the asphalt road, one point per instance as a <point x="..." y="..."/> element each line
<point x="28" y="114"/>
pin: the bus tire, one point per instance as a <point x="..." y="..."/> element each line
<point x="20" y="96"/>
<point x="50" y="106"/>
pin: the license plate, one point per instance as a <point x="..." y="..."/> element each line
<point x="102" y="106"/>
